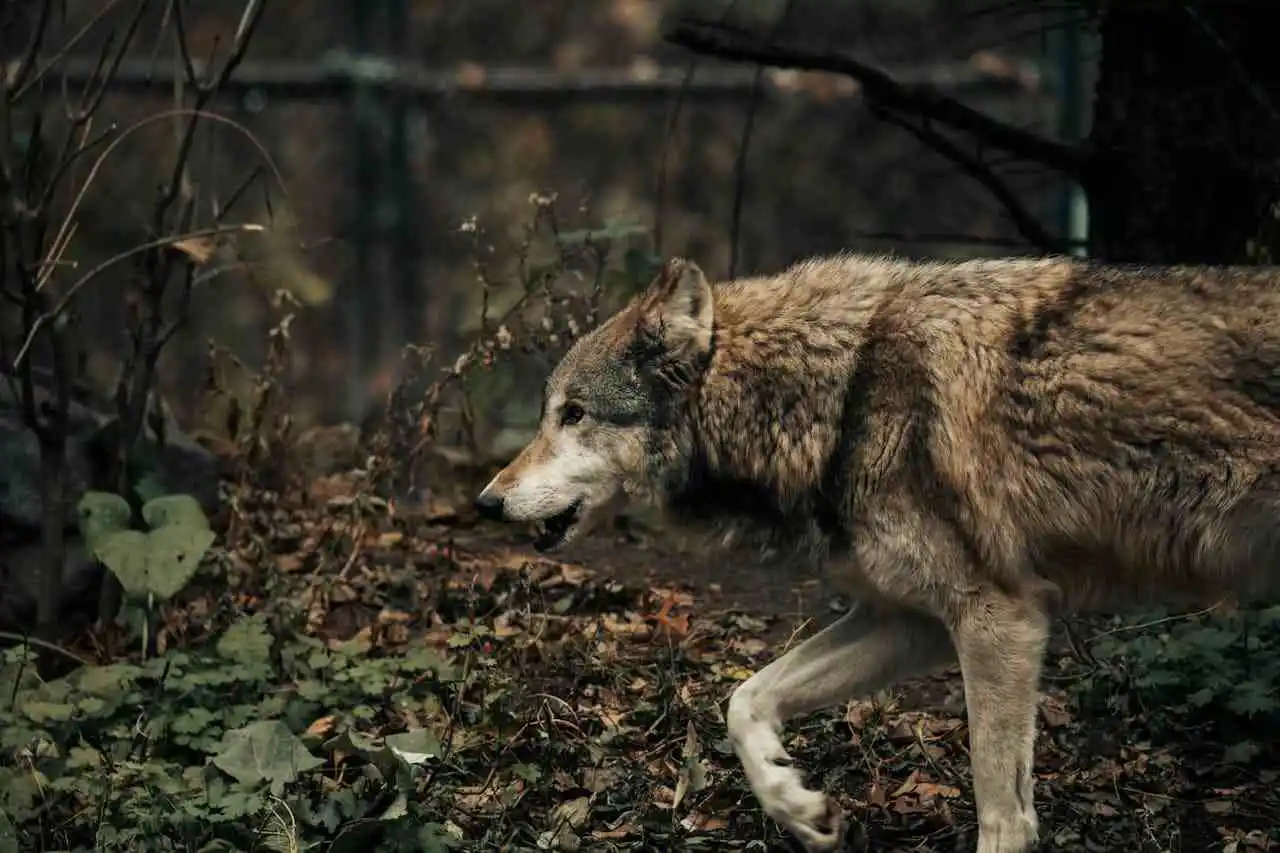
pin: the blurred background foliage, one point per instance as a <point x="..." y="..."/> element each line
<point x="382" y="199"/>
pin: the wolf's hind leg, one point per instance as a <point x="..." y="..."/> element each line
<point x="864" y="650"/>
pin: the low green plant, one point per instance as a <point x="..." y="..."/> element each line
<point x="246" y="743"/>
<point x="152" y="565"/>
<point x="1208" y="668"/>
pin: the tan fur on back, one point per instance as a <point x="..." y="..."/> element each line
<point x="1095" y="426"/>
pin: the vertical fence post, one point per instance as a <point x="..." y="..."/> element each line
<point x="1073" y="110"/>
<point x="406" y="256"/>
<point x="356" y="288"/>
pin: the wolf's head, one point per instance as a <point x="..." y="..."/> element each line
<point x="615" y="422"/>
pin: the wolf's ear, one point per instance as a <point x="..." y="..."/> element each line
<point x="677" y="312"/>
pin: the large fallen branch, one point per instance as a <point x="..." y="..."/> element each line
<point x="881" y="90"/>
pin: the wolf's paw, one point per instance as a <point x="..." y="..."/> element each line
<point x="816" y="822"/>
<point x="1008" y="833"/>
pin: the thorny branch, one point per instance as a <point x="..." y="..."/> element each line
<point x="880" y="89"/>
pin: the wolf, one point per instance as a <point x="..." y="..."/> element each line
<point x="970" y="448"/>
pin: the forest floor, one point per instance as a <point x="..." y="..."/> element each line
<point x="614" y="663"/>
<point x="577" y="703"/>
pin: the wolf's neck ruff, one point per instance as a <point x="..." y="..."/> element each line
<point x="760" y="447"/>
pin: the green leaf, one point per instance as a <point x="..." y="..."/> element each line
<point x="265" y="751"/>
<point x="415" y="746"/>
<point x="247" y="641"/>
<point x="613" y="230"/>
<point x="125" y="553"/>
<point x="170" y="510"/>
<point x="193" y="721"/>
<point x="158" y="563"/>
<point x="240" y="803"/>
<point x="43" y="712"/>
<point x="83" y="758"/>
<point x="108" y="681"/>
<point x="149" y="487"/>
<point x="1241" y="753"/>
<point x="16" y="677"/>
<point x="176" y="552"/>
<point x="1252" y="697"/>
<point x="100" y="514"/>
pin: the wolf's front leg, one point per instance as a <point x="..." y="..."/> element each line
<point x="1001" y="643"/>
<point x="863" y="651"/>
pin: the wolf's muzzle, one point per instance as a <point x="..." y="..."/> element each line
<point x="490" y="506"/>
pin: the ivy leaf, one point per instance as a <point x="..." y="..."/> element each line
<point x="265" y="751"/>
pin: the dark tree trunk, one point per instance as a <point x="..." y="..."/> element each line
<point x="1185" y="145"/>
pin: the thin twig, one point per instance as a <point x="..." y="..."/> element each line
<point x="18" y="80"/>
<point x="740" y="173"/>
<point x="1176" y="617"/>
<point x="660" y="195"/>
<point x="65" y="49"/>
<point x="740" y="161"/>
<point x="44" y="644"/>
<point x="151" y="119"/>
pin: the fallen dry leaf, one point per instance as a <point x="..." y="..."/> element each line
<point x="322" y="726"/>
<point x="199" y="250"/>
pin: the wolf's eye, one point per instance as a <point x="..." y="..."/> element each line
<point x="571" y="414"/>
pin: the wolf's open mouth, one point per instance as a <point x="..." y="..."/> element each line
<point x="552" y="532"/>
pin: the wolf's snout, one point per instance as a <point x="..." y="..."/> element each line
<point x="490" y="506"/>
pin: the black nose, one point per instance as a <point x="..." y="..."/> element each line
<point x="489" y="506"/>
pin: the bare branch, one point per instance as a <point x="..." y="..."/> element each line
<point x="880" y="89"/>
<point x="974" y="166"/>
<point x="21" y="88"/>
<point x="90" y="103"/>
<point x="67" y="221"/>
<point x="19" y="78"/>
<point x="184" y="49"/>
<point x="64" y="302"/>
